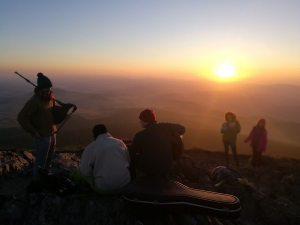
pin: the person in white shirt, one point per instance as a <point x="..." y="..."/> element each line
<point x="104" y="164"/>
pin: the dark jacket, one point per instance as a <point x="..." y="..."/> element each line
<point x="36" y="117"/>
<point x="151" y="148"/>
<point x="258" y="139"/>
<point x="230" y="133"/>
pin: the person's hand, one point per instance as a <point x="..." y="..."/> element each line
<point x="36" y="135"/>
<point x="224" y="126"/>
<point x="232" y="124"/>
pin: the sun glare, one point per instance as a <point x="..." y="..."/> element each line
<point x="225" y="71"/>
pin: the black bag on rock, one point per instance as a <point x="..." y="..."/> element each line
<point x="35" y="187"/>
<point x="59" y="185"/>
<point x="159" y="196"/>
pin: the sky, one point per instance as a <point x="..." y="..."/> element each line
<point x="259" y="39"/>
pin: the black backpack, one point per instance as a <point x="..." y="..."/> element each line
<point x="57" y="184"/>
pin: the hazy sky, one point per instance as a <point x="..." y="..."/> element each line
<point x="259" y="38"/>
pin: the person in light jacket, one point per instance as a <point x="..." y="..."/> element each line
<point x="230" y="128"/>
<point x="104" y="164"/>
<point x="258" y="141"/>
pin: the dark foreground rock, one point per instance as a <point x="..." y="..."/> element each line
<point x="268" y="195"/>
<point x="12" y="164"/>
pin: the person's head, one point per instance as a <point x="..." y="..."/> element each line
<point x="261" y="123"/>
<point x="46" y="90"/>
<point x="44" y="83"/>
<point x="147" y="116"/>
<point x="98" y="130"/>
<point x="230" y="117"/>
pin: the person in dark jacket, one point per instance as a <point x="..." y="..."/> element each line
<point x="151" y="150"/>
<point x="229" y="131"/>
<point x="258" y="141"/>
<point x="36" y="118"/>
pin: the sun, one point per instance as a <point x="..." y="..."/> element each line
<point x="225" y="71"/>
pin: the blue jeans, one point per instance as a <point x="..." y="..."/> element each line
<point x="44" y="152"/>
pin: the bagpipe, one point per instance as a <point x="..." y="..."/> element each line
<point x="59" y="110"/>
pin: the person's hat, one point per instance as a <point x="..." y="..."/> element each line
<point x="147" y="116"/>
<point x="43" y="81"/>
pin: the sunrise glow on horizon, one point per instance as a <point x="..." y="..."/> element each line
<point x="182" y="40"/>
<point x="225" y="71"/>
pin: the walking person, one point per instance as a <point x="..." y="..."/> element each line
<point x="36" y="118"/>
<point x="258" y="141"/>
<point x="230" y="128"/>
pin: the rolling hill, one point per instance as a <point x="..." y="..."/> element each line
<point x="199" y="106"/>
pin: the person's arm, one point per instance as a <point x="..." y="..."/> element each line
<point x="133" y="150"/>
<point x="249" y="137"/>
<point x="87" y="162"/>
<point x="178" y="128"/>
<point x="237" y="129"/>
<point x="135" y="146"/>
<point x="126" y="149"/>
<point x="222" y="130"/>
<point x="24" y="117"/>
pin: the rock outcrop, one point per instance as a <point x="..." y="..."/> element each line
<point x="268" y="195"/>
<point x="13" y="164"/>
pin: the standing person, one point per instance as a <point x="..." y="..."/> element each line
<point x="151" y="150"/>
<point x="36" y="118"/>
<point x="230" y="129"/>
<point x="104" y="164"/>
<point x="258" y="141"/>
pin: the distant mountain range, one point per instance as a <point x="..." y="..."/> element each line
<point x="199" y="106"/>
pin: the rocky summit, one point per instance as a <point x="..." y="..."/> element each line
<point x="268" y="195"/>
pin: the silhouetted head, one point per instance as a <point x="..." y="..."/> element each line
<point x="230" y="117"/>
<point x="261" y="123"/>
<point x="147" y="116"/>
<point x="98" y="130"/>
<point x="43" y="82"/>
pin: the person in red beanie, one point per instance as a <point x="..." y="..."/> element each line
<point x="151" y="150"/>
<point x="258" y="141"/>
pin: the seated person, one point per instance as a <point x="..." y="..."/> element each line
<point x="151" y="150"/>
<point x="104" y="164"/>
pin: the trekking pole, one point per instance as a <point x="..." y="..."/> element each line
<point x="25" y="79"/>
<point x="59" y="102"/>
<point x="65" y="120"/>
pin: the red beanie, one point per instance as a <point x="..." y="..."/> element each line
<point x="147" y="116"/>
